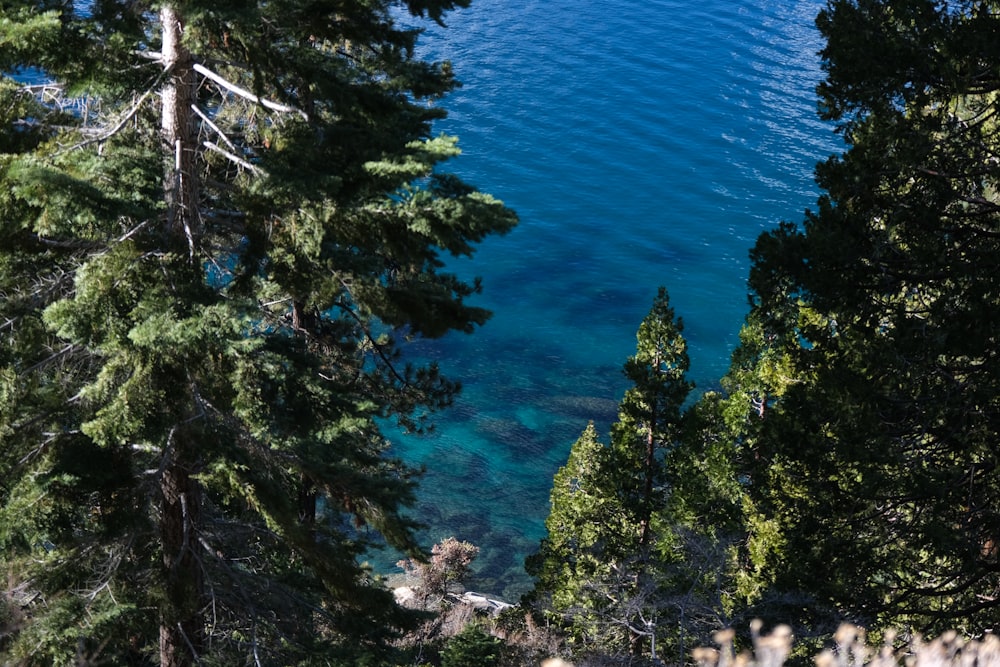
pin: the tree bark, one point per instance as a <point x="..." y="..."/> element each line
<point x="181" y="625"/>
<point x="181" y="622"/>
<point x="181" y="189"/>
<point x="650" y="464"/>
<point x="307" y="503"/>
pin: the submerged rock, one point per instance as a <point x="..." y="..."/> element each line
<point x="594" y="408"/>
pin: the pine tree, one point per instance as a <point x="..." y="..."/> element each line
<point x="878" y="461"/>
<point x="582" y="520"/>
<point x="210" y="262"/>
<point x="597" y="568"/>
<point x="649" y="415"/>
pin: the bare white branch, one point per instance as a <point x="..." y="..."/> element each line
<point x="129" y="233"/>
<point x="246" y="94"/>
<point x="208" y="121"/>
<point x="233" y="158"/>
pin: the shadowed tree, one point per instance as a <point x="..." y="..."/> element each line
<point x="878" y="463"/>
<point x="209" y="268"/>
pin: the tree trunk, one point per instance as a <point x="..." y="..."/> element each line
<point x="647" y="490"/>
<point x="181" y="626"/>
<point x="307" y="504"/>
<point x="181" y="622"/>
<point x="181" y="190"/>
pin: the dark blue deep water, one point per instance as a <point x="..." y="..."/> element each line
<point x="642" y="144"/>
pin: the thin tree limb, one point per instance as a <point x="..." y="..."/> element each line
<point x="129" y="115"/>
<point x="234" y="158"/>
<point x="208" y="121"/>
<point x="244" y="93"/>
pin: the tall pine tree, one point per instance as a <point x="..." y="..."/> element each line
<point x="597" y="568"/>
<point x="215" y="241"/>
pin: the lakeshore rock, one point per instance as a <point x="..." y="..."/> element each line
<point x="481" y="602"/>
<point x="404" y="595"/>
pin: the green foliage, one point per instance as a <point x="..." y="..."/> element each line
<point x="583" y="519"/>
<point x="200" y="343"/>
<point x="471" y="648"/>
<point x="874" y="363"/>
<point x="28" y="32"/>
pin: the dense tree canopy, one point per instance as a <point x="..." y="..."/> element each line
<point x="879" y="459"/>
<point x="211" y="256"/>
<point x="220" y="224"/>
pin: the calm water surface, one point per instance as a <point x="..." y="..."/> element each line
<point x="642" y="144"/>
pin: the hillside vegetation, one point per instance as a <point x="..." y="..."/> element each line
<point x="213" y="263"/>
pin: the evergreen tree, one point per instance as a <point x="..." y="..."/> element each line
<point x="472" y="647"/>
<point x="584" y="522"/>
<point x="597" y="566"/>
<point x="878" y="462"/>
<point x="650" y="415"/>
<point x="209" y="267"/>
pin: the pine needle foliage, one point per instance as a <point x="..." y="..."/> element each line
<point x="876" y="464"/>
<point x="599" y="567"/>
<point x="216" y="239"/>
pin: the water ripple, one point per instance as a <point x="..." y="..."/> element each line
<point x="642" y="144"/>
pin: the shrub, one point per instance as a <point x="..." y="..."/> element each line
<point x="471" y="648"/>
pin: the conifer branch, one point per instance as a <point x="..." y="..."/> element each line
<point x="69" y="348"/>
<point x="74" y="244"/>
<point x="127" y="235"/>
<point x="39" y="449"/>
<point x="246" y="94"/>
<point x="120" y="125"/>
<point x="234" y="158"/>
<point x="187" y="640"/>
<point x="371" y="340"/>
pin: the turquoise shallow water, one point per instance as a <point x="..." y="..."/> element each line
<point x="642" y="144"/>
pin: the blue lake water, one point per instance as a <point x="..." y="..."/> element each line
<point x="642" y="144"/>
